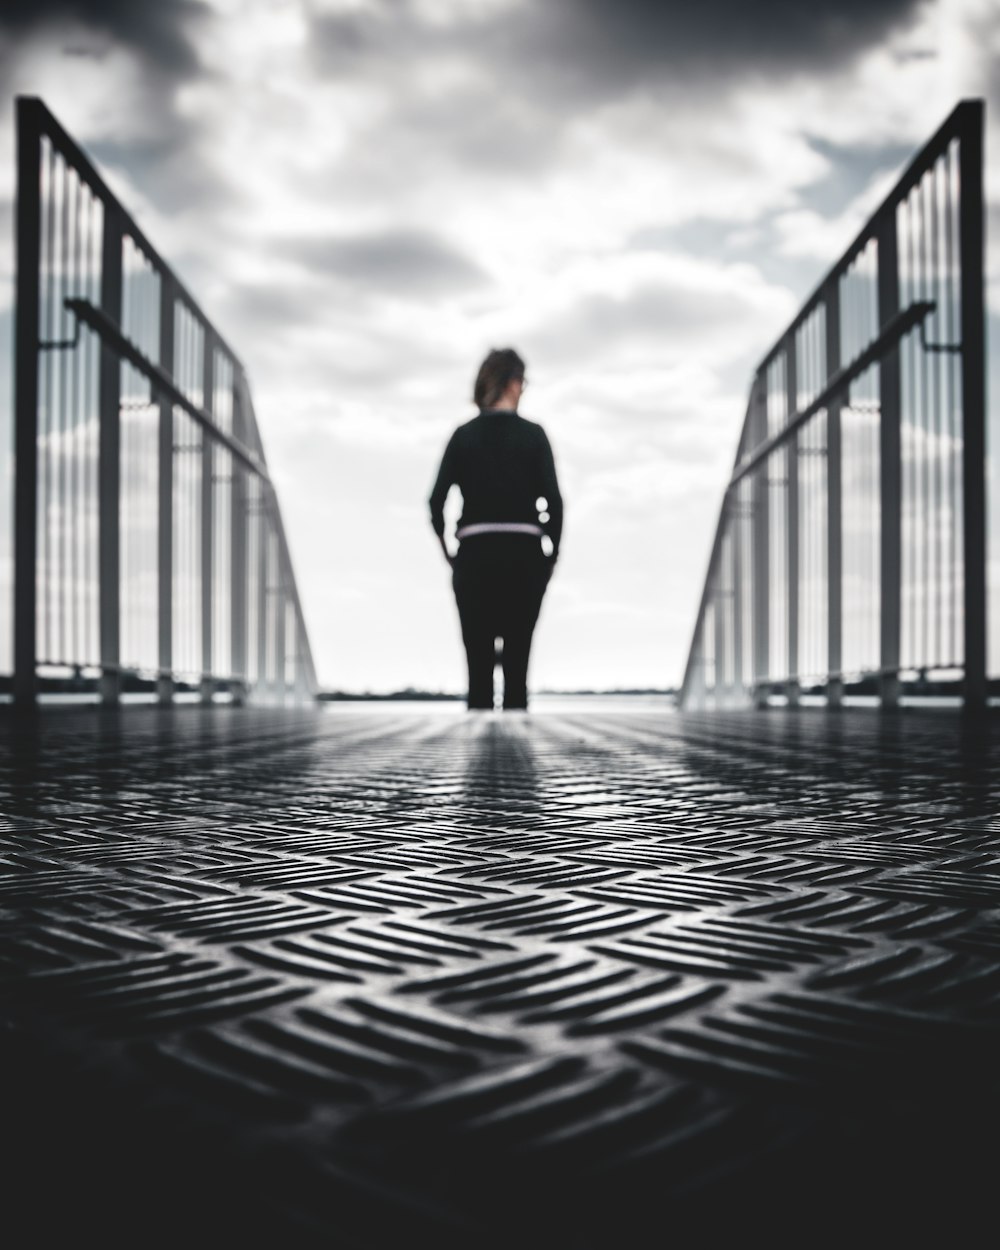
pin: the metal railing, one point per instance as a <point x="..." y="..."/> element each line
<point x="851" y="542"/>
<point x="148" y="540"/>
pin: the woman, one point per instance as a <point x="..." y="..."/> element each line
<point x="504" y="468"/>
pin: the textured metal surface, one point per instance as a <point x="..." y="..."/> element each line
<point x="355" y="979"/>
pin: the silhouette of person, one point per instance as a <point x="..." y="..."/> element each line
<point x="504" y="468"/>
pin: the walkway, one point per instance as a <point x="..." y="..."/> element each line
<point x="373" y="978"/>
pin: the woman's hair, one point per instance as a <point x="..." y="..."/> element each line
<point x="502" y="366"/>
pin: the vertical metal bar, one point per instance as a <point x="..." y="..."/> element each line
<point x="73" y="450"/>
<point x="807" y="502"/>
<point x="926" y="454"/>
<point x="792" y="521"/>
<point x="238" y="536"/>
<point x="126" y="388"/>
<point x="184" y="658"/>
<point x="938" y="442"/>
<point x="109" y="475"/>
<point x="91" y="366"/>
<point x="914" y="469"/>
<point x="263" y="596"/>
<point x="165" y="505"/>
<point x="280" y="613"/>
<point x="761" y="552"/>
<point x="187" y="521"/>
<point x="28" y="259"/>
<point x="890" y="486"/>
<point x="207" y="517"/>
<point x="909" y="443"/>
<point x="971" y="259"/>
<point x="48" y="398"/>
<point x="954" y="465"/>
<point x="694" y="685"/>
<point x="298" y="673"/>
<point x="834" y="486"/>
<point x="749" y="636"/>
<point x="718" y="616"/>
<point x="62" y="429"/>
<point x="736" y="530"/>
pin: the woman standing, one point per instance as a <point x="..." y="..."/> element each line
<point x="504" y="468"/>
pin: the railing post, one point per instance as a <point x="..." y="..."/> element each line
<point x="792" y="518"/>
<point x="207" y="517"/>
<point x="834" y="532"/>
<point x="890" y="468"/>
<point x="973" y="404"/>
<point x="165" y="522"/>
<point x="239" y="524"/>
<point x="109" y="466"/>
<point x="761" y="551"/>
<point x="28" y="260"/>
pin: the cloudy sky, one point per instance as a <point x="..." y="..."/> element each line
<point x="366" y="195"/>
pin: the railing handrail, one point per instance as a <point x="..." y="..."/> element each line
<point x="964" y="112"/>
<point x="901" y="324"/>
<point x="225" y="604"/>
<point x="753" y="637"/>
<point x="46" y="122"/>
<point x="160" y="380"/>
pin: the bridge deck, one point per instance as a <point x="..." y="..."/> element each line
<point x="358" y="977"/>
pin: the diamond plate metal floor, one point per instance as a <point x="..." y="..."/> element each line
<point x="357" y="978"/>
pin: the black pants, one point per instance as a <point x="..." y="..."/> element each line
<point x="499" y="581"/>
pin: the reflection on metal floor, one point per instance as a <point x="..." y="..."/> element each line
<point x="350" y="979"/>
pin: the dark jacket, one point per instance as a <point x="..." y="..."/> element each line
<point x="502" y="464"/>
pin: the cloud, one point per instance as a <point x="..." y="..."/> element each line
<point x="160" y="32"/>
<point x="571" y="50"/>
<point x="653" y="309"/>
<point x="402" y="262"/>
<point x="113" y="77"/>
<point x="822" y="237"/>
<point x="665" y="318"/>
<point x="850" y="166"/>
<point x="710" y="38"/>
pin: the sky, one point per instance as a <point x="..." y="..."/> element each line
<point x="367" y="195"/>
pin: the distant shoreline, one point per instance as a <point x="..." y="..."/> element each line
<point x="437" y="696"/>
